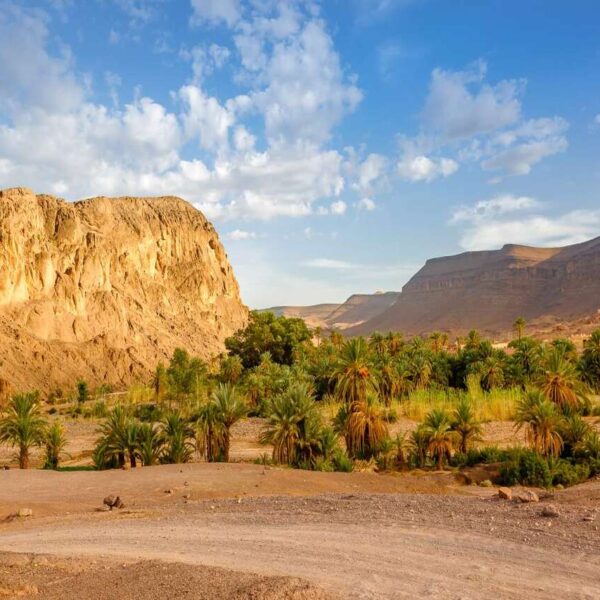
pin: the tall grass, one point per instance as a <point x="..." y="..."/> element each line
<point x="496" y="405"/>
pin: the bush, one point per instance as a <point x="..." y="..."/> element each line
<point x="342" y="463"/>
<point x="149" y="413"/>
<point x="478" y="456"/>
<point x="527" y="468"/>
<point x="565" y="473"/>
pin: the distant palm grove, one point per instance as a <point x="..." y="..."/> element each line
<point x="329" y="404"/>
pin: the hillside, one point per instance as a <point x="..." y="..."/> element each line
<point x="488" y="290"/>
<point x="357" y="309"/>
<point x="102" y="289"/>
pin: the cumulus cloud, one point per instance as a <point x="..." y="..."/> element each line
<point x="215" y="12"/>
<point x="455" y="110"/>
<point x="365" y="204"/>
<point x="66" y="142"/>
<point x="492" y="223"/>
<point x="423" y="168"/>
<point x="478" y="122"/>
<point x="338" y="207"/>
<point x="240" y="235"/>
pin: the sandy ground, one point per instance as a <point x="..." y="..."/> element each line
<point x="357" y="535"/>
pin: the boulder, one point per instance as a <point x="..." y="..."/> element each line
<point x="526" y="496"/>
<point x="25" y="512"/>
<point x="505" y="493"/>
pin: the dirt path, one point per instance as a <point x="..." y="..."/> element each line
<point x="360" y="545"/>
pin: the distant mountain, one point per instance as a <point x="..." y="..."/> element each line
<point x="488" y="290"/>
<point x="355" y="310"/>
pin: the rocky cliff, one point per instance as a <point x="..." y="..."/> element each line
<point x="102" y="289"/>
<point x="488" y="290"/>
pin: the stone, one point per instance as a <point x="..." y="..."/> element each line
<point x="550" y="511"/>
<point x="486" y="483"/>
<point x="104" y="289"/>
<point x="25" y="512"/>
<point x="505" y="493"/>
<point x="526" y="496"/>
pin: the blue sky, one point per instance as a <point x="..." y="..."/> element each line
<point x="336" y="145"/>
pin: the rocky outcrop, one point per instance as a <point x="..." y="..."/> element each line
<point x="489" y="290"/>
<point x="102" y="289"/>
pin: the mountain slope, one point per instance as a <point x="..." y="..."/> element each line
<point x="102" y="289"/>
<point x="488" y="290"/>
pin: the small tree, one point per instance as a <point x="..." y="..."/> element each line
<point x="23" y="425"/>
<point x="465" y="424"/>
<point x="55" y="442"/>
<point x="519" y="327"/>
<point x="82" y="391"/>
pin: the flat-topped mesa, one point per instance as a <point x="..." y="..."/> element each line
<point x="104" y="288"/>
<point x="489" y="289"/>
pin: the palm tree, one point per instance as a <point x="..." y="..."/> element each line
<point x="492" y="371"/>
<point x="420" y="368"/>
<point x="177" y="435"/>
<point x="439" y="341"/>
<point x="131" y="441"/>
<point x="55" y="442"/>
<point x="352" y="375"/>
<point x="573" y="431"/>
<point x="229" y="408"/>
<point x="394" y="342"/>
<point x="590" y="360"/>
<point x="150" y="444"/>
<point x="364" y="428"/>
<point x="559" y="381"/>
<point x="519" y="327"/>
<point x="388" y="378"/>
<point x="231" y="369"/>
<point x="438" y="427"/>
<point x="289" y="414"/>
<point x="111" y="447"/>
<point x="418" y="442"/>
<point x="473" y="340"/>
<point x="542" y="423"/>
<point x="378" y="344"/>
<point x="23" y="426"/>
<point x="465" y="424"/>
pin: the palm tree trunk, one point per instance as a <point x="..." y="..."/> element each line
<point x="226" y="443"/>
<point x="132" y="460"/>
<point x="23" y="457"/>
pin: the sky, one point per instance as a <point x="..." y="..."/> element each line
<point x="335" y="145"/>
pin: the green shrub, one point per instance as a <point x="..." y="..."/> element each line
<point x="527" y="468"/>
<point x="477" y="456"/>
<point x="565" y="473"/>
<point x="149" y="413"/>
<point x="341" y="462"/>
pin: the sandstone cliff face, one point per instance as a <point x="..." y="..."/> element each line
<point x="104" y="288"/>
<point x="489" y="290"/>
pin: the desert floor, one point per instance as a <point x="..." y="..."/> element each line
<point x="245" y="531"/>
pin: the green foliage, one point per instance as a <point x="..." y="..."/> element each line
<point x="23" y="426"/>
<point x="567" y="473"/>
<point x="279" y="336"/>
<point x="54" y="442"/>
<point x="184" y="375"/>
<point x="82" y="392"/>
<point x="526" y="467"/>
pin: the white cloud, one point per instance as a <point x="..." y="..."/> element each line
<point x="489" y="226"/>
<point x="499" y="205"/>
<point x="369" y="171"/>
<point x="480" y="123"/>
<point x="455" y="110"/>
<point x="365" y="204"/>
<point x="216" y="11"/>
<point x="241" y="234"/>
<point x="423" y="168"/>
<point x="338" y="208"/>
<point x="62" y="141"/>
<point x="327" y="263"/>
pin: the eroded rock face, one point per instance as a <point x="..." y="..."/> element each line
<point x="104" y="288"/>
<point x="489" y="290"/>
